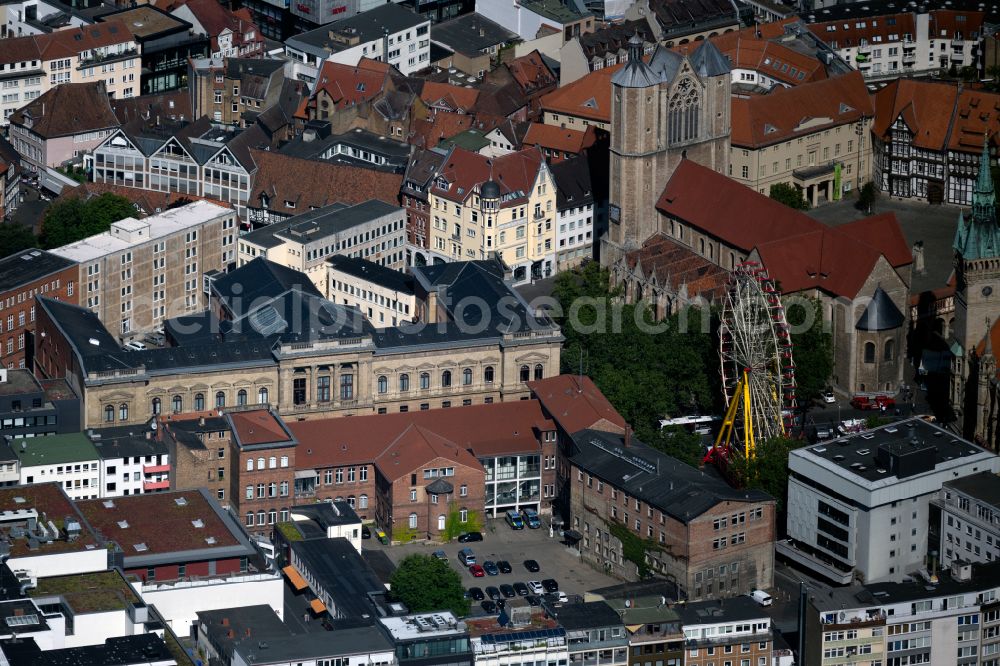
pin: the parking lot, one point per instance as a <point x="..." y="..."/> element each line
<point x="554" y="558"/>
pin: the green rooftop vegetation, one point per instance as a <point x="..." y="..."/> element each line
<point x="100" y="592"/>
<point x="289" y="531"/>
<point x="54" y="450"/>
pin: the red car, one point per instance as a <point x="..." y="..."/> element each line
<point x="476" y="571"/>
<point x="878" y="402"/>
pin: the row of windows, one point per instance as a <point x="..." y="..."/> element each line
<point x="177" y="404"/>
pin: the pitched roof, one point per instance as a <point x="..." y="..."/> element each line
<point x="448" y="96"/>
<point x="429" y="132"/>
<point x="174" y="104"/>
<point x="258" y="426"/>
<point x="797" y="250"/>
<point x="216" y="18"/>
<point x="587" y="97"/>
<point x="73" y="41"/>
<point x="681" y="15"/>
<point x="310" y="184"/>
<point x="556" y="138"/>
<point x="762" y="120"/>
<point x="531" y="73"/>
<point x="575" y="402"/>
<point x="881" y="314"/>
<point x="667" y="263"/>
<point x="349" y="85"/>
<point x="941" y="115"/>
<point x="465" y="171"/>
<point x="68" y="109"/>
<point x="398" y="443"/>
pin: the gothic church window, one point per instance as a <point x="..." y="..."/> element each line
<point x="684" y="112"/>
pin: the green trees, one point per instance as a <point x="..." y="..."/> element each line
<point x="426" y="584"/>
<point x="454" y="525"/>
<point x="789" y="195"/>
<point x="768" y="470"/>
<point x="14" y="238"/>
<point x="812" y="346"/>
<point x="867" y="196"/>
<point x="71" y="220"/>
<point x="644" y="367"/>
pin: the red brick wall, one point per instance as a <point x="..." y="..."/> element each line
<point x="15" y="302"/>
<point x="417" y="220"/>
<point x="241" y="478"/>
<point x="427" y="512"/>
<point x="329" y="487"/>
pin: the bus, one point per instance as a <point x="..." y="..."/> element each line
<point x="701" y="425"/>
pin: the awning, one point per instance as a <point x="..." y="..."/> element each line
<point x="295" y="578"/>
<point x="305" y="474"/>
<point x="317" y="606"/>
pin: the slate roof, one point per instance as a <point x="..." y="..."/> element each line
<point x="68" y="109"/>
<point x="681" y="16"/>
<point x="981" y="486"/>
<point x="370" y="272"/>
<point x="881" y="314"/>
<point x="573" y="184"/>
<point x="675" y="488"/>
<point x="707" y="60"/>
<point x="27" y="266"/>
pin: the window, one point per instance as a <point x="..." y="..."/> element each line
<point x="155" y="406"/>
<point x="539" y="371"/>
<point x="488" y="374"/>
<point x="199" y="401"/>
<point x="446" y="378"/>
<point x="383" y="384"/>
<point x="525" y="373"/>
<point x="889" y="351"/>
<point x="249" y="464"/>
<point x="404" y="382"/>
<point x="347" y="387"/>
<point x="262" y="396"/>
<point x="123" y="412"/>
<point x="363" y="502"/>
<point x="413" y="521"/>
<point x="869" y="352"/>
<point x="323" y="389"/>
<point x="425" y="381"/>
<point x="220" y="399"/>
<point x="467" y="377"/>
<point x="241" y="397"/>
<point x="109" y="413"/>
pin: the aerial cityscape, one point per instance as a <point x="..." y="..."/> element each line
<point x="499" y="333"/>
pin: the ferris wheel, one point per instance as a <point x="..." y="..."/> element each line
<point x="755" y="354"/>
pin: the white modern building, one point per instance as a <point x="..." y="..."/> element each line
<point x="385" y="296"/>
<point x="576" y="212"/>
<point x="514" y="648"/>
<point x="858" y="506"/>
<point x="388" y="33"/>
<point x="70" y="460"/>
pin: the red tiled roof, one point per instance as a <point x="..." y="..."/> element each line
<point x="576" y="403"/>
<point x="349" y="85"/>
<point x="514" y="172"/>
<point x="157" y="520"/>
<point x="307" y="183"/>
<point x="149" y="201"/>
<point x="746" y="51"/>
<point x="797" y="250"/>
<point x="495" y="429"/>
<point x="665" y="262"/>
<point x="587" y="97"/>
<point x="417" y="446"/>
<point x="429" y="132"/>
<point x="762" y="120"/>
<point x="941" y="115"/>
<point x="453" y="98"/>
<point x="70" y="42"/>
<point x="848" y="33"/>
<point x="531" y="72"/>
<point x="556" y="138"/>
<point x="215" y="18"/>
<point x="258" y="426"/>
<point x="69" y="109"/>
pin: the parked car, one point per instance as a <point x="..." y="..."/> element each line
<point x="441" y="555"/>
<point x="536" y="587"/>
<point x="134" y="345"/>
<point x="476" y="571"/>
<point x="761" y="597"/>
<point x="550" y="585"/>
<point x="470" y="536"/>
<point x="507" y="591"/>
<point x="490" y="567"/>
<point x="557" y="597"/>
<point x="828" y="396"/>
<point x="514" y="519"/>
<point x="864" y="402"/>
<point x="531" y="518"/>
<point x="366" y="533"/>
<point x="476" y="593"/>
<point x="493" y="593"/>
<point x="504" y="566"/>
<point x="533" y="600"/>
<point x="467" y="557"/>
<point x="531" y="566"/>
<point x="489" y="606"/>
<point x="521" y="589"/>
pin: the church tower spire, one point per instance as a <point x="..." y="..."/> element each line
<point x="979" y="236"/>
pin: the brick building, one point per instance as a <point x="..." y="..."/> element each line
<point x="23" y="275"/>
<point x="199" y="447"/>
<point x="263" y="468"/>
<point x="409" y="471"/>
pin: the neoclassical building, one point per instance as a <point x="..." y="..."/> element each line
<point x="271" y="339"/>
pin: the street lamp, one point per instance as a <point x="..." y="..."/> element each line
<point x="860" y="131"/>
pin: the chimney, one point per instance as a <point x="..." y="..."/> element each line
<point x="628" y="435"/>
<point x="149" y="435"/>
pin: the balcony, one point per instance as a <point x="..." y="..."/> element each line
<point x="909" y="59"/>
<point x="148" y="486"/>
<point x="155" y="469"/>
<point x="539" y="214"/>
<point x="95" y="59"/>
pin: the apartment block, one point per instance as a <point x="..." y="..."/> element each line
<point x="858" y="506"/>
<point x="737" y="631"/>
<point x="385" y="296"/>
<point x="263" y="469"/>
<point x="227" y="89"/>
<point x="22" y="277"/>
<point x="29" y="66"/>
<point x="481" y="207"/>
<point x="968" y="524"/>
<point x="141" y="272"/>
<point x="199" y="445"/>
<point x="373" y="230"/>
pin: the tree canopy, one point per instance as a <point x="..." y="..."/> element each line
<point x="14" y="238"/>
<point x="425" y="584"/>
<point x="768" y="469"/>
<point x="646" y="369"/>
<point x="72" y="220"/>
<point x="789" y="195"/>
<point x="812" y="348"/>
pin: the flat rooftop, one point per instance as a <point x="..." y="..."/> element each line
<point x="410" y="627"/>
<point x="855" y="454"/>
<point x="322" y="223"/>
<point x="984" y="486"/>
<point x="160" y="225"/>
<point x="20" y="382"/>
<point x="376" y="274"/>
<point x="146" y="21"/>
<point x="47" y="498"/>
<point x="98" y="592"/>
<point x="54" y="450"/>
<point x="25" y="267"/>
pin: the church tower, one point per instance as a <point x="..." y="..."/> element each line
<point x="977" y="296"/>
<point x="671" y="108"/>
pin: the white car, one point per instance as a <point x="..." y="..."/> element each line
<point x="828" y="397"/>
<point x="761" y="597"/>
<point x="135" y="345"/>
<point x="536" y="587"/>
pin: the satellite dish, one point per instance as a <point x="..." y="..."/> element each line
<point x="628" y="603"/>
